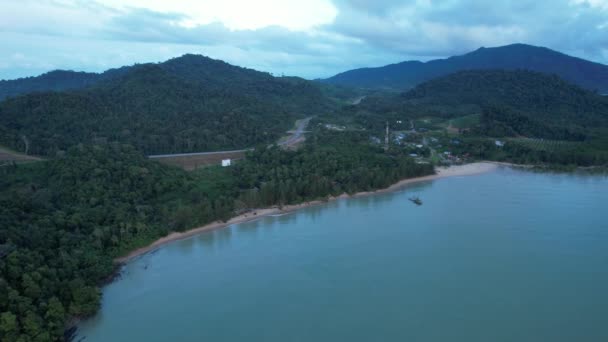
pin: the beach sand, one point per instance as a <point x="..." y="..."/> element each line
<point x="442" y="172"/>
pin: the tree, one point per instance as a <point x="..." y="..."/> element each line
<point x="55" y="316"/>
<point x="9" y="327"/>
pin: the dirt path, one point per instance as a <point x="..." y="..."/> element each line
<point x="7" y="156"/>
<point x="452" y="129"/>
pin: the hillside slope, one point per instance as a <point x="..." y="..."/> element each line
<point x="187" y="104"/>
<point x="523" y="102"/>
<point x="405" y="75"/>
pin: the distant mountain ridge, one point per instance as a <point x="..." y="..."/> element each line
<point x="406" y="75"/>
<point x="56" y="80"/>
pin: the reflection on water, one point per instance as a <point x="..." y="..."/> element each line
<point x="505" y="256"/>
<point x="221" y="237"/>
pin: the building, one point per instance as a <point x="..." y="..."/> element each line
<point x="226" y="162"/>
<point x="499" y="143"/>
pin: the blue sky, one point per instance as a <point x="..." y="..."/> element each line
<point x="312" y="38"/>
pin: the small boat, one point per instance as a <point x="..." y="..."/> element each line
<point x="416" y="200"/>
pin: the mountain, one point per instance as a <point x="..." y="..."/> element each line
<point x="191" y="103"/>
<point x="56" y="80"/>
<point x="524" y="103"/>
<point x="530" y="103"/>
<point x="405" y="75"/>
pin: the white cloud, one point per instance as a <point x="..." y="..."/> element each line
<point x="240" y="14"/>
<point x="599" y="4"/>
<point x="443" y="28"/>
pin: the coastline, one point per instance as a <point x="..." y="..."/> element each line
<point x="441" y="172"/>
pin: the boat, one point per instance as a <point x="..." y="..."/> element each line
<point x="416" y="200"/>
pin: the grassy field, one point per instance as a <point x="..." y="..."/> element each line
<point x="546" y="145"/>
<point x="452" y="125"/>
<point x="429" y="122"/>
<point x="466" y="121"/>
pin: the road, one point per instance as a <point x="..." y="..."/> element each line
<point x="295" y="137"/>
<point x="196" y="154"/>
<point x="297" y="134"/>
<point x="358" y="100"/>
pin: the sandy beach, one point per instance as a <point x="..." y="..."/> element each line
<point x="441" y="172"/>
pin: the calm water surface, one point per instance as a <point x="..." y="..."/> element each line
<point x="504" y="256"/>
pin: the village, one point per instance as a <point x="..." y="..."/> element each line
<point x="431" y="143"/>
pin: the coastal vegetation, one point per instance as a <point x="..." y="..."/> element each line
<point x="63" y="221"/>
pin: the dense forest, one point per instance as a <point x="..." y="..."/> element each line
<point x="406" y="75"/>
<point x="187" y="104"/>
<point x="516" y="103"/>
<point x="541" y="96"/>
<point x="544" y="100"/>
<point x="63" y="221"/>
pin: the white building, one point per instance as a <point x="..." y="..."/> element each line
<point x="225" y="162"/>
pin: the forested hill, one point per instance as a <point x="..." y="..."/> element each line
<point x="292" y="93"/>
<point x="56" y="80"/>
<point x="405" y="75"/>
<point x="546" y="97"/>
<point x="522" y="102"/>
<point x="187" y="104"/>
<point x="191" y="67"/>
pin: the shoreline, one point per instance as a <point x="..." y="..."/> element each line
<point x="255" y="214"/>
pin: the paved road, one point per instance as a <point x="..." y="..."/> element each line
<point x="296" y="135"/>
<point x="358" y="100"/>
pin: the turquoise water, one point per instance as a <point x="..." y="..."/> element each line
<point x="504" y="256"/>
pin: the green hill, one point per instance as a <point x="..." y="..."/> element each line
<point x="530" y="103"/>
<point x="527" y="103"/>
<point x="187" y="104"/>
<point x="56" y="80"/>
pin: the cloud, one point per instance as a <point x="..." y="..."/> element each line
<point x="239" y="14"/>
<point x="443" y="28"/>
<point x="314" y="38"/>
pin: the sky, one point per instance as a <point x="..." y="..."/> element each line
<point x="307" y="38"/>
